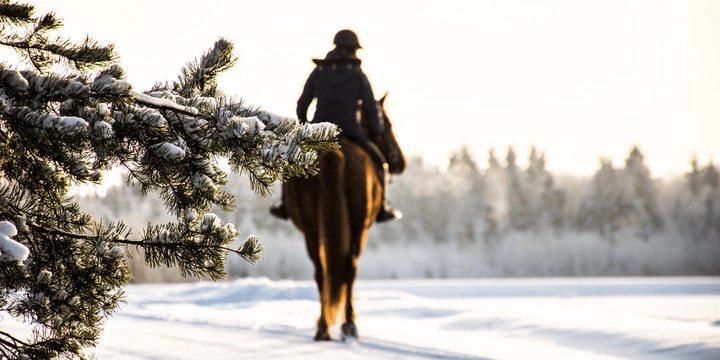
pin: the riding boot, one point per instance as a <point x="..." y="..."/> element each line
<point x="386" y="212"/>
<point x="279" y="210"/>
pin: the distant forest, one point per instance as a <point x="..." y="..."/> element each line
<point x="501" y="221"/>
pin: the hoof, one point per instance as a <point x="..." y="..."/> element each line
<point x="387" y="214"/>
<point x="322" y="336"/>
<point x="349" y="331"/>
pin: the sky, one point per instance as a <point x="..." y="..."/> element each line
<point x="579" y="80"/>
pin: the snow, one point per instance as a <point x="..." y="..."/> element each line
<point x="103" y="128"/>
<point x="69" y="125"/>
<point x="7" y="228"/>
<point x="254" y="125"/>
<point x="210" y="222"/>
<point x="14" y="80"/>
<point x="11" y="250"/>
<point x="164" y="103"/>
<point x="535" y="318"/>
<point x="107" y="84"/>
<point x="201" y="181"/>
<point x="170" y="151"/>
<point x="116" y="252"/>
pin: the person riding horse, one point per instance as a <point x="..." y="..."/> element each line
<point x="340" y="87"/>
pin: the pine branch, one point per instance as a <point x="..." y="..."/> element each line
<point x="249" y="250"/>
<point x="13" y="341"/>
<point x="42" y="52"/>
<point x="85" y="56"/>
<point x="200" y="76"/>
<point x="15" y="14"/>
<point x="56" y="131"/>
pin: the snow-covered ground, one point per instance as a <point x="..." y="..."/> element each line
<point x="604" y="318"/>
<point x="566" y="318"/>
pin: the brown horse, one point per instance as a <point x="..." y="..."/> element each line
<point x="335" y="210"/>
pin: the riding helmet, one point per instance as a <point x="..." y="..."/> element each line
<point x="347" y="39"/>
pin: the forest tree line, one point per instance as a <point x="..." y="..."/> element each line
<point x="503" y="220"/>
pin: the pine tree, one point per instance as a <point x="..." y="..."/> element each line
<point x="697" y="207"/>
<point x="602" y="208"/>
<point x="622" y="198"/>
<point x="465" y="223"/>
<point x="694" y="177"/>
<point x="520" y="212"/>
<point x="688" y="212"/>
<point x="546" y="202"/>
<point x="641" y="195"/>
<point x="495" y="199"/>
<point x="61" y="270"/>
<point x="711" y="178"/>
<point x="536" y="166"/>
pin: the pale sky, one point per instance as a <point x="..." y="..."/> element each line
<point x="577" y="79"/>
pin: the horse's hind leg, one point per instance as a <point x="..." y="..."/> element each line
<point x="349" y="330"/>
<point x="313" y="248"/>
<point x="323" y="332"/>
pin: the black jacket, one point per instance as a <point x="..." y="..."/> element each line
<point x="338" y="83"/>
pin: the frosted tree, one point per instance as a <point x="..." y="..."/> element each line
<point x="622" y="198"/>
<point x="545" y="201"/>
<point x="711" y="176"/>
<point x="536" y="166"/>
<point x="465" y="223"/>
<point x="694" y="177"/>
<point x="697" y="208"/>
<point x="640" y="195"/>
<point x="495" y="199"/>
<point x="424" y="192"/>
<point x="520" y="211"/>
<point x="553" y="205"/>
<point x="62" y="270"/>
<point x="712" y="203"/>
<point x="602" y="207"/>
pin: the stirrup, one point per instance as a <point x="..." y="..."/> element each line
<point x="279" y="210"/>
<point x="387" y="213"/>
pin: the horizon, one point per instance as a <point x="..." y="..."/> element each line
<point x="579" y="81"/>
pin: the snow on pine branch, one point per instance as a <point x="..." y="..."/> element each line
<point x="164" y="103"/>
<point x="65" y="125"/>
<point x="169" y="151"/>
<point x="109" y="82"/>
<point x="11" y="250"/>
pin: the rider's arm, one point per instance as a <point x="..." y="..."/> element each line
<point x="371" y="108"/>
<point x="305" y="99"/>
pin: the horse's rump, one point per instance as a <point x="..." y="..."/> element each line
<point x="346" y="179"/>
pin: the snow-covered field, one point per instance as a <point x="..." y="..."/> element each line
<point x="602" y="318"/>
<point x="566" y="318"/>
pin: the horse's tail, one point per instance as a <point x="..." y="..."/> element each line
<point x="334" y="234"/>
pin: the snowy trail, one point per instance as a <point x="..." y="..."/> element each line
<point x="600" y="318"/>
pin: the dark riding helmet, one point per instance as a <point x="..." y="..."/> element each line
<point x="347" y="39"/>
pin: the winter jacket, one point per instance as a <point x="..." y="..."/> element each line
<point x="338" y="83"/>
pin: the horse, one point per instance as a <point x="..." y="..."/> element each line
<point x="334" y="210"/>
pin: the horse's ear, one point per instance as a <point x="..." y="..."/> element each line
<point x="382" y="99"/>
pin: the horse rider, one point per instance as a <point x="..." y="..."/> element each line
<point x="338" y="82"/>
